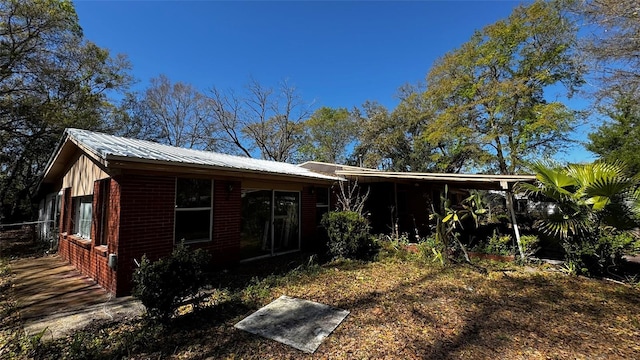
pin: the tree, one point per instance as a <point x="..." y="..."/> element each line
<point x="491" y="91"/>
<point x="612" y="29"/>
<point x="597" y="207"/>
<point x="619" y="138"/>
<point x="264" y="119"/>
<point x="227" y="109"/>
<point x="398" y="141"/>
<point x="433" y="152"/>
<point x="387" y="141"/>
<point x="50" y="78"/>
<point x="328" y="133"/>
<point x="128" y="119"/>
<point x="611" y="48"/>
<point x="180" y="113"/>
<point x="380" y="145"/>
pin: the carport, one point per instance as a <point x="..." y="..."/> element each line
<point x="404" y="199"/>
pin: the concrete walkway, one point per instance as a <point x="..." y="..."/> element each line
<point x="52" y="295"/>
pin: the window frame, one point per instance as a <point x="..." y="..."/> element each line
<point x="77" y="218"/>
<point x="326" y="207"/>
<point x="178" y="209"/>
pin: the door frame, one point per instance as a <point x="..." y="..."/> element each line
<point x="272" y="252"/>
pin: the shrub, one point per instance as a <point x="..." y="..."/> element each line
<point x="529" y="244"/>
<point x="431" y="250"/>
<point x="497" y="244"/>
<point x="348" y="233"/>
<point x="164" y="285"/>
<point x="390" y="246"/>
<point x="599" y="256"/>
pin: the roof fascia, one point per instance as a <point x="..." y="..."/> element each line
<point x="124" y="162"/>
<point x="438" y="176"/>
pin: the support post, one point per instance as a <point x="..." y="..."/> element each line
<point x="512" y="212"/>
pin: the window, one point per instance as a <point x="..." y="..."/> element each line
<point x="82" y="209"/>
<point x="101" y="191"/>
<point x="322" y="203"/>
<point x="193" y="210"/>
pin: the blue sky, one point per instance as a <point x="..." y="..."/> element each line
<point x="337" y="54"/>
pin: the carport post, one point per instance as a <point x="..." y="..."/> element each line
<point x="509" y="200"/>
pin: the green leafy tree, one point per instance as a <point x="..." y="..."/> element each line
<point x="432" y="151"/>
<point x="50" y="78"/>
<point x="619" y="138"/>
<point x="597" y="205"/>
<point x="381" y="143"/>
<point x="394" y="141"/>
<point x="491" y="91"/>
<point x="328" y="133"/>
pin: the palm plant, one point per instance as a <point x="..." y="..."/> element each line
<point x="594" y="203"/>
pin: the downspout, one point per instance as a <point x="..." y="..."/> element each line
<point x="512" y="212"/>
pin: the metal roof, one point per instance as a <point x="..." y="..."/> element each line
<point x="471" y="180"/>
<point x="114" y="148"/>
<point x="487" y="181"/>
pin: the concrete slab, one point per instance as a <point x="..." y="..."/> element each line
<point x="299" y="323"/>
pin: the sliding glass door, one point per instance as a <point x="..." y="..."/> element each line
<point x="270" y="222"/>
<point x="286" y="222"/>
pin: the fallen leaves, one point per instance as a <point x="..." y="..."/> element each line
<point x="409" y="310"/>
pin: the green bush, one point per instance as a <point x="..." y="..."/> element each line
<point x="602" y="255"/>
<point x="431" y="250"/>
<point x="529" y="244"/>
<point x="164" y="285"/>
<point x="497" y="244"/>
<point x="390" y="246"/>
<point x="348" y="233"/>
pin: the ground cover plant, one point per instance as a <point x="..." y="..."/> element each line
<point x="401" y="307"/>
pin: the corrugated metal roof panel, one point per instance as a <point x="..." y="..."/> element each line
<point x="109" y="147"/>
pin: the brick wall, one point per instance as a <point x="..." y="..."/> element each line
<point x="146" y="217"/>
<point x="225" y="247"/>
<point x="84" y="255"/>
<point x="139" y="221"/>
<point x="146" y="213"/>
<point x="308" y="217"/>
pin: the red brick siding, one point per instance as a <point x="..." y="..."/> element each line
<point x="147" y="207"/>
<point x="88" y="259"/>
<point x="227" y="206"/>
<point x="146" y="215"/>
<point x="225" y="245"/>
<point x="113" y="218"/>
<point x="96" y="213"/>
<point x="308" y="217"/>
<point x="140" y="221"/>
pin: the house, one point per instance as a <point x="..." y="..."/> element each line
<point x="402" y="201"/>
<point x="116" y="199"/>
<point x="110" y="200"/>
